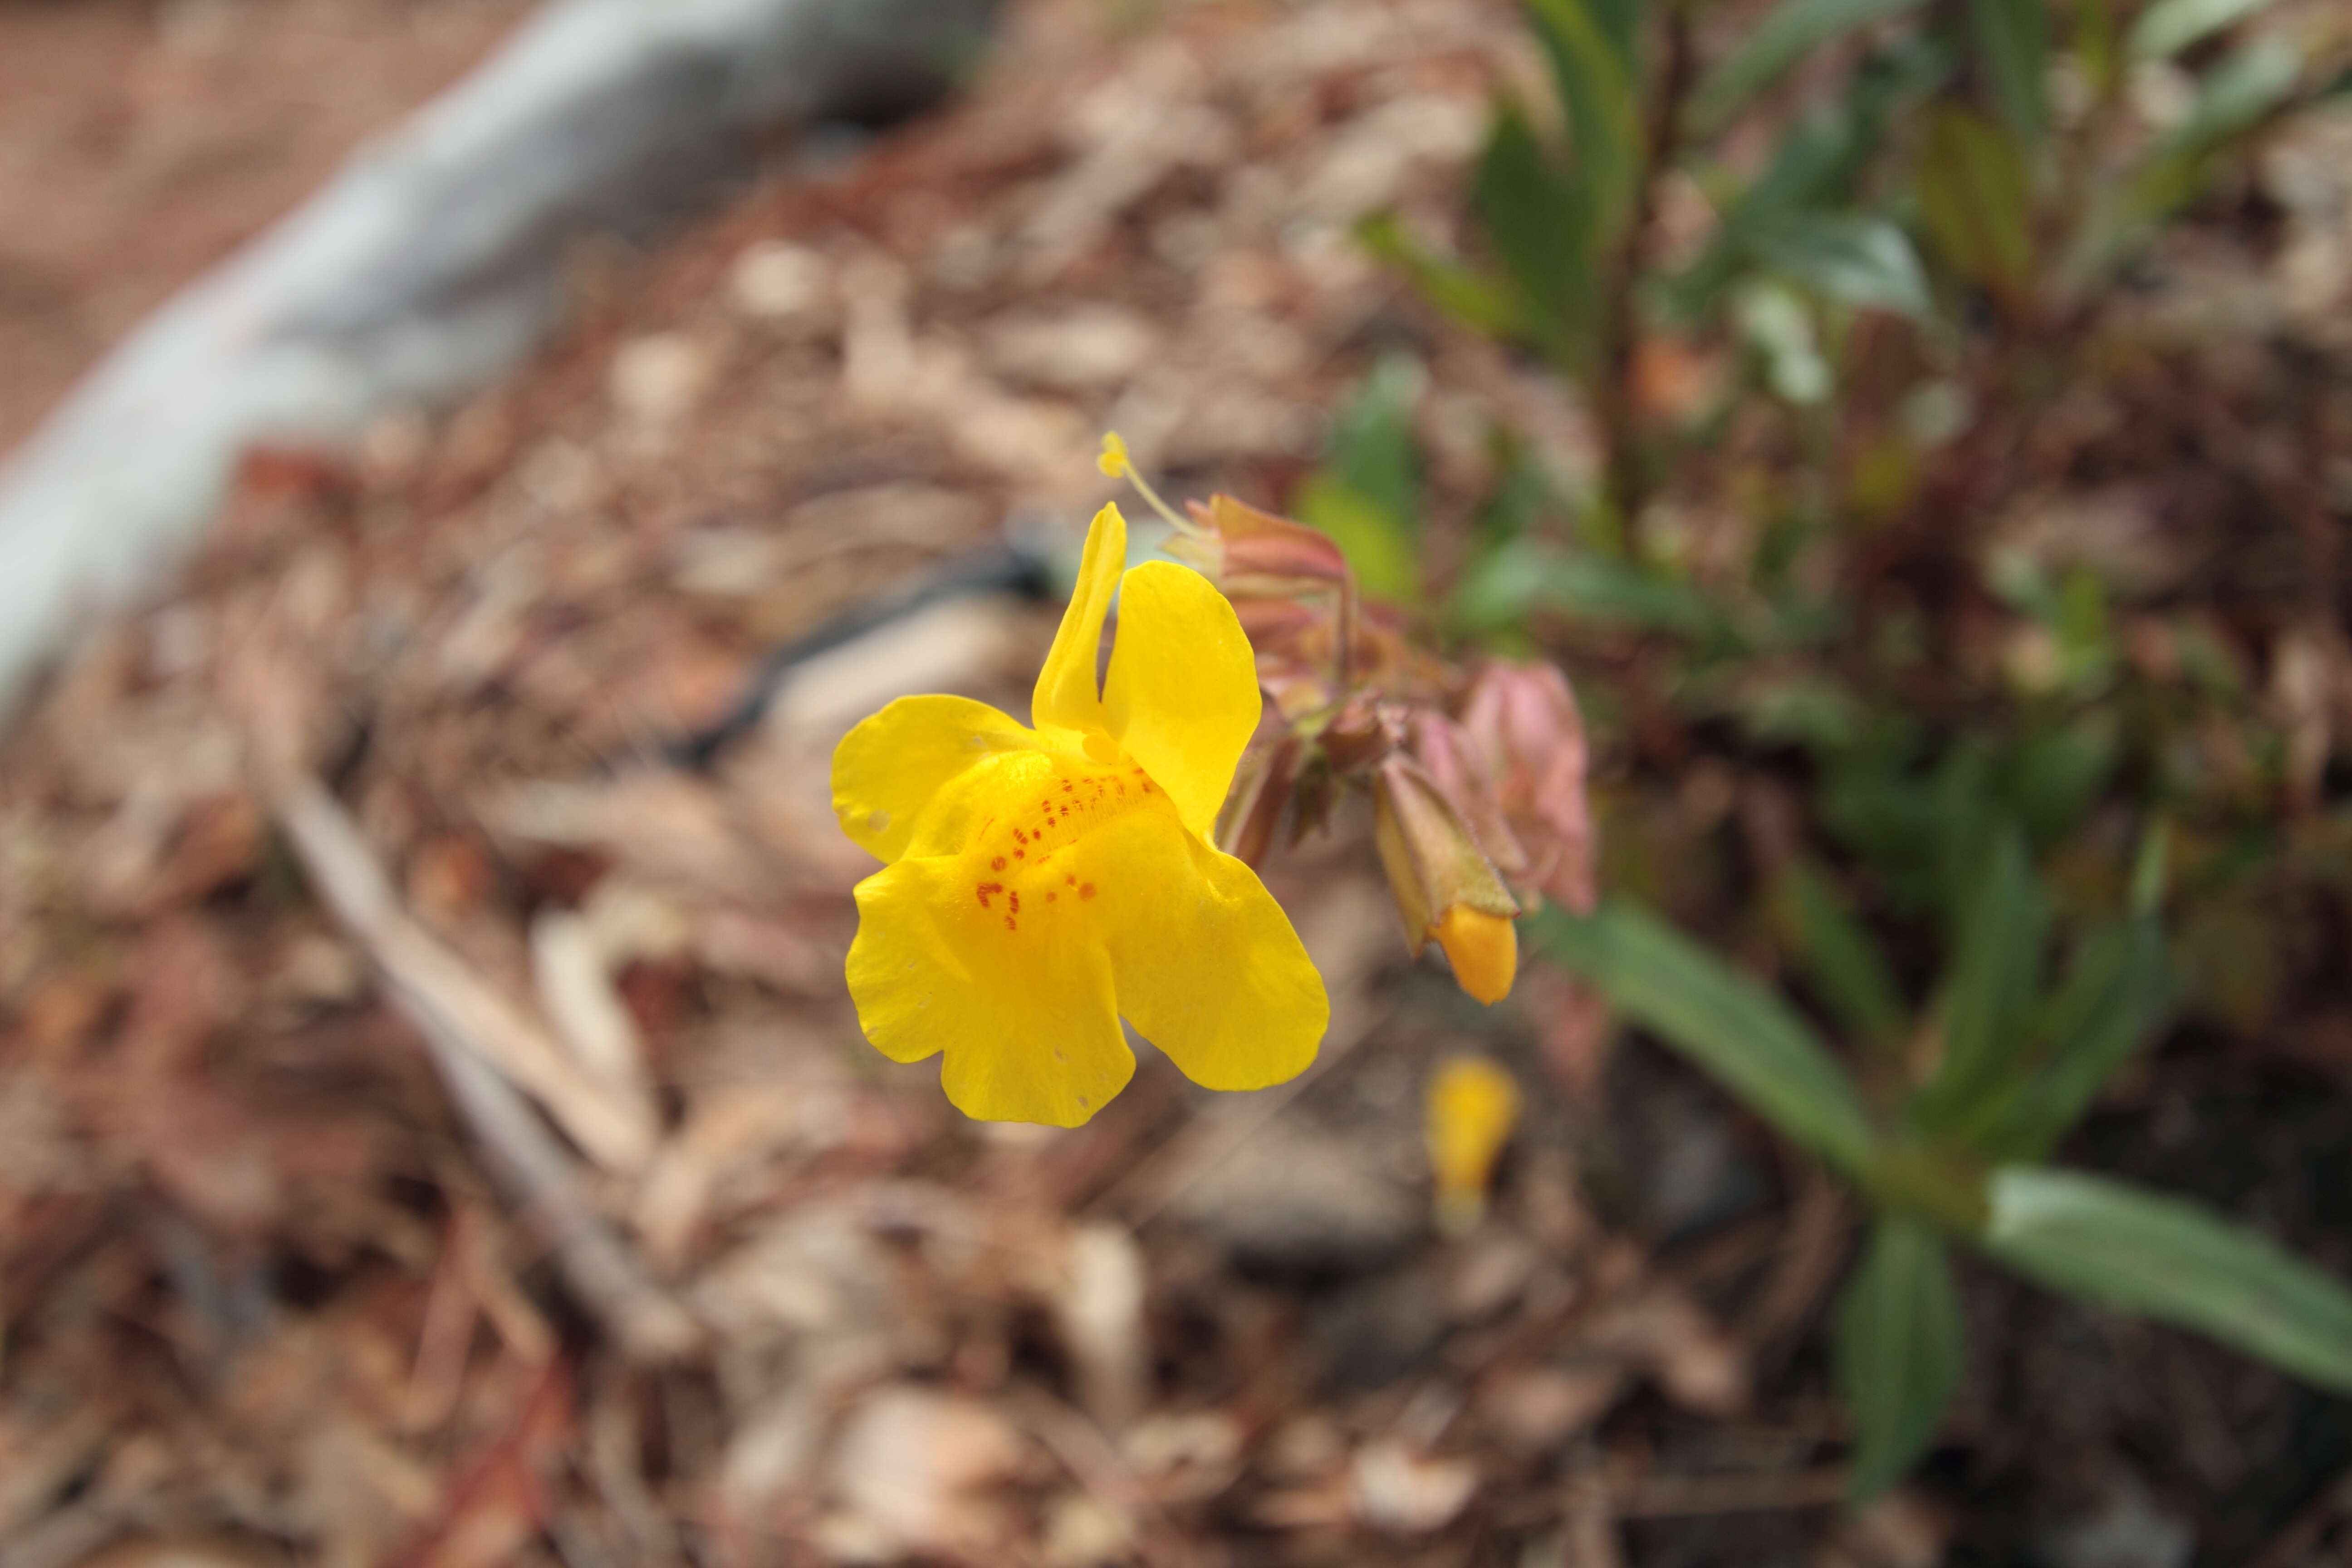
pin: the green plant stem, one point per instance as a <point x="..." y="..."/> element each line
<point x="1614" y="399"/>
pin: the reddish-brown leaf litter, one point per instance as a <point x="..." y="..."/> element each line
<point x="433" y="1131"/>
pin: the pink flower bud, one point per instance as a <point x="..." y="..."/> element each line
<point x="1522" y="719"/>
<point x="1253" y="553"/>
<point x="1447" y="754"/>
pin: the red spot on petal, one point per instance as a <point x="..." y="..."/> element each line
<point x="1013" y="902"/>
<point x="984" y="888"/>
<point x="1087" y="890"/>
<point x="997" y="864"/>
<point x="1147" y="786"/>
<point x="1070" y="881"/>
<point x="1019" y="836"/>
<point x="1009" y="925"/>
<point x="1021" y="854"/>
<point x="1050" y="896"/>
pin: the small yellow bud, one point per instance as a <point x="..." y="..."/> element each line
<point x="1445" y="886"/>
<point x="1113" y="461"/>
<point x="1472" y="1105"/>
<point x="1484" y="950"/>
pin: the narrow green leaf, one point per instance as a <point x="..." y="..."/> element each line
<point x="2137" y="1251"/>
<point x="1783" y="39"/>
<point x="1366" y="494"/>
<point x="2097" y="48"/>
<point x="2054" y="778"/>
<point x="1373" y="449"/>
<point x="1973" y="200"/>
<point x="1900" y="1346"/>
<point x="1862" y="262"/>
<point x="2151" y="867"/>
<point x="1539" y="223"/>
<point x="2116" y="993"/>
<point x="1383" y="555"/>
<point x="1743" y="1036"/>
<point x="1528" y="575"/>
<point x="1995" y="965"/>
<point x="1471" y="297"/>
<point x="2169" y="27"/>
<point x="2012" y="42"/>
<point x="2233" y="99"/>
<point x="1816" y="164"/>
<point x="1596" y="81"/>
<point x="1621" y="23"/>
<point x="1842" y="959"/>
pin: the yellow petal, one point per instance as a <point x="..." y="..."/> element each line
<point x="886" y="771"/>
<point x="1020" y="1003"/>
<point x="1182" y="696"/>
<point x="1471" y="1107"/>
<point x="1205" y="962"/>
<point x="1483" y="948"/>
<point x="1066" y="694"/>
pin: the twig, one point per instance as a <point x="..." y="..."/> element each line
<point x="480" y="1041"/>
<point x="1095" y="1465"/>
<point x="443" y="993"/>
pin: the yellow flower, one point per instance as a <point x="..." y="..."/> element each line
<point x="1043" y="883"/>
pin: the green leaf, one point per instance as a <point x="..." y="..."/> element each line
<point x="1842" y="959"/>
<point x="2054" y="778"/>
<point x="1366" y="494"/>
<point x="1594" y="72"/>
<point x="1741" y="1034"/>
<point x="1865" y="262"/>
<point x="1808" y="710"/>
<point x="2012" y="44"/>
<point x="1381" y="553"/>
<point x="1373" y="450"/>
<point x="1899" y="1349"/>
<point x="1540" y="225"/>
<point x="1996" y="964"/>
<point x="2116" y="991"/>
<point x="1816" y="164"/>
<point x="2137" y="1251"/>
<point x="2169" y="27"/>
<point x="1973" y="200"/>
<point x="1783" y="39"/>
<point x="1528" y="576"/>
<point x="1471" y="297"/>
<point x="1523" y="493"/>
<point x="2234" y="98"/>
<point x="2096" y="49"/>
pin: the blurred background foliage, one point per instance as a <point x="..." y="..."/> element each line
<point x="2005" y="795"/>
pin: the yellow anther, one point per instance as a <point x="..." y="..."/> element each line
<point x="1114" y="460"/>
